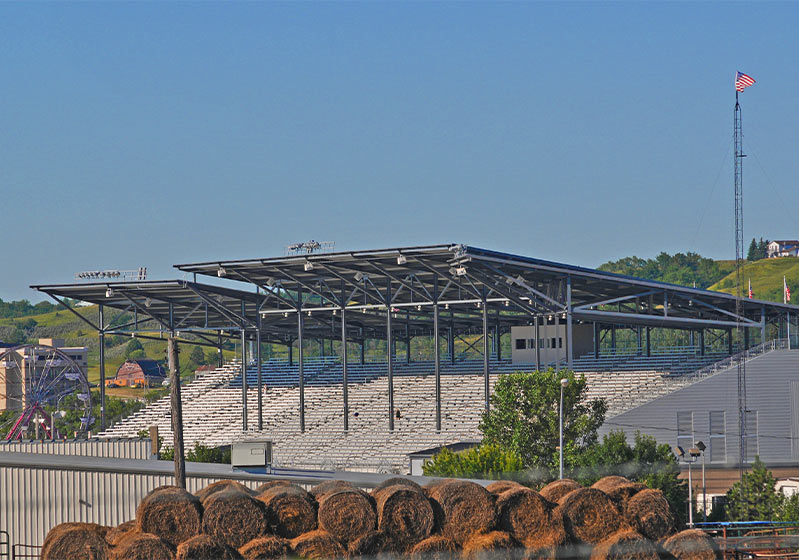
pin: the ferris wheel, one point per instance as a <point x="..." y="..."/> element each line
<point x="43" y="393"/>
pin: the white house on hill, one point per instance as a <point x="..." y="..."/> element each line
<point x="783" y="248"/>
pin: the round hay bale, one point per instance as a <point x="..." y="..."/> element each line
<point x="115" y="534"/>
<point x="372" y="543"/>
<point x="290" y="510"/>
<point x="462" y="508"/>
<point x="557" y="489"/>
<point x="692" y="544"/>
<point x="648" y="512"/>
<point x="205" y="547"/>
<point x="618" y="488"/>
<point x="142" y="546"/>
<point x="435" y="547"/>
<point x="529" y="518"/>
<point x="76" y="541"/>
<point x="501" y="486"/>
<point x="607" y="483"/>
<point x="394" y="481"/>
<point x="590" y="515"/>
<point x="404" y="515"/>
<point x="317" y="544"/>
<point x="220" y="485"/>
<point x="267" y="485"/>
<point x="170" y="513"/>
<point x="347" y="514"/>
<point x="328" y="487"/>
<point x="235" y="518"/>
<point x="266" y="548"/>
<point x="625" y="545"/>
<point x="489" y="546"/>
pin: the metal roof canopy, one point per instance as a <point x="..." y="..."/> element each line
<point x="461" y="279"/>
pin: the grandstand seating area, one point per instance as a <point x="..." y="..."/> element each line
<point x="212" y="405"/>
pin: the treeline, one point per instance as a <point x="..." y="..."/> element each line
<point x="24" y="308"/>
<point x="686" y="269"/>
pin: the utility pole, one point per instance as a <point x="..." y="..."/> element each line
<point x="177" y="410"/>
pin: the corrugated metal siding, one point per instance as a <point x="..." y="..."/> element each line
<point x="33" y="500"/>
<point x="120" y="448"/>
<point x="768" y="379"/>
<point x="794" y="391"/>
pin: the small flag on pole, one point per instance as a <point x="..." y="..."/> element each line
<point x="743" y="81"/>
<point x="750" y="289"/>
<point x="786" y="291"/>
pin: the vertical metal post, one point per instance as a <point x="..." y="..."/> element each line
<point x="537" y="344"/>
<point x="437" y="353"/>
<point x="345" y="387"/>
<point x="407" y="337"/>
<point x="259" y="373"/>
<point x="763" y="325"/>
<point x="560" y="447"/>
<point x="243" y="380"/>
<point x="729" y="341"/>
<point x="788" y="323"/>
<point x="640" y="341"/>
<point x="291" y="352"/>
<point x="219" y="355"/>
<point x="557" y="341"/>
<point x="177" y="406"/>
<point x="690" y="498"/>
<point x="389" y="358"/>
<point x="648" y="342"/>
<point x="597" y="338"/>
<point x="451" y="340"/>
<point x="569" y="332"/>
<point x="102" y="366"/>
<point x="498" y="333"/>
<point x="704" y="490"/>
<point x="485" y="351"/>
<point x="613" y="338"/>
<point x="363" y="348"/>
<point x="300" y="360"/>
<point x="702" y="342"/>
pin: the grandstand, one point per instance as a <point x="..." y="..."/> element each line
<point x="368" y="415"/>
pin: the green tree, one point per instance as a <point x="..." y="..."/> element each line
<point x="197" y="356"/>
<point x="524" y="417"/>
<point x="485" y="461"/>
<point x="762" y="248"/>
<point x="753" y="498"/>
<point x="685" y="269"/>
<point x="751" y="254"/>
<point x="134" y="350"/>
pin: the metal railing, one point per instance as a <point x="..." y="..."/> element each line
<point x="5" y="543"/>
<point x="25" y="551"/>
<point x="726" y="363"/>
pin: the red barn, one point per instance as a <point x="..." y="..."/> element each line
<point x="138" y="372"/>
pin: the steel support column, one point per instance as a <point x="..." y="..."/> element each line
<point x="537" y="343"/>
<point x="437" y="354"/>
<point x="259" y="374"/>
<point x="243" y="380"/>
<point x="344" y="386"/>
<point x="485" y="351"/>
<point x="702" y="342"/>
<point x="389" y="359"/>
<point x="219" y="355"/>
<point x="177" y="408"/>
<point x="451" y="342"/>
<point x="300" y="326"/>
<point x="407" y="337"/>
<point x="102" y="366"/>
<point x="648" y="342"/>
<point x="597" y="339"/>
<point x="557" y="342"/>
<point x="569" y="331"/>
<point x="291" y="352"/>
<point x="762" y="325"/>
<point x="729" y="341"/>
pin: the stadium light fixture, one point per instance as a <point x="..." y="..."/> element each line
<point x="359" y="276"/>
<point x="221" y="272"/>
<point x="109" y="293"/>
<point x="308" y="266"/>
<point x="148" y="302"/>
<point x="700" y="445"/>
<point x="679" y="451"/>
<point x="271" y="282"/>
<point x="401" y="259"/>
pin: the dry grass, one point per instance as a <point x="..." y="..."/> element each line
<point x="76" y="541"/>
<point x="590" y="515"/>
<point x="461" y="508"/>
<point x="234" y="518"/>
<point x="491" y="546"/>
<point x="206" y="547"/>
<point x="318" y="545"/>
<point x="648" y="512"/>
<point x="143" y="546"/>
<point x="557" y="489"/>
<point x="170" y="513"/>
<point x="404" y="515"/>
<point x="529" y="518"/>
<point x="291" y="510"/>
<point x="348" y="514"/>
<point x="266" y="548"/>
<point x="625" y="545"/>
<point x="692" y="544"/>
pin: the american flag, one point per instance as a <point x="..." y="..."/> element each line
<point x="743" y="81"/>
<point x="787" y="291"/>
<point x="751" y="294"/>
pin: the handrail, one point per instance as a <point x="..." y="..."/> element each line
<point x="745" y="356"/>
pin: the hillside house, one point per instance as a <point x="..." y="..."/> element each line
<point x="783" y="248"/>
<point x="137" y="373"/>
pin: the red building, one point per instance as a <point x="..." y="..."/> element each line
<point x="137" y="373"/>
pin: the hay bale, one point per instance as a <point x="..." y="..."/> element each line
<point x="557" y="489"/>
<point x="395" y="480"/>
<point x="328" y="487"/>
<point x="170" y="513"/>
<point x="267" y="485"/>
<point x="372" y="543"/>
<point x="529" y="518"/>
<point x="220" y="485"/>
<point x="206" y="547"/>
<point x="490" y="546"/>
<point x="317" y="544"/>
<point x="143" y="546"/>
<point x="347" y="514"/>
<point x="607" y="483"/>
<point x="404" y="515"/>
<point x="76" y="541"/>
<point x="590" y="515"/>
<point x="625" y="545"/>
<point x="648" y="512"/>
<point x="618" y="488"/>
<point x="435" y="547"/>
<point x="266" y="548"/>
<point x="116" y="534"/>
<point x="501" y="486"/>
<point x="235" y="518"/>
<point x="290" y="510"/>
<point x="692" y="544"/>
<point x="462" y="508"/>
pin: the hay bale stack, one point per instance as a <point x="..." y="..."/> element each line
<point x="76" y="541"/>
<point x="461" y="508"/>
<point x="625" y="545"/>
<point x="501" y="486"/>
<point x="692" y="544"/>
<point x="436" y="547"/>
<point x="530" y="519"/>
<point x="370" y="544"/>
<point x="317" y="544"/>
<point x="143" y="546"/>
<point x="618" y="488"/>
<point x="347" y="514"/>
<point x="116" y="534"/>
<point x="235" y="518"/>
<point x="393" y="481"/>
<point x="590" y="515"/>
<point x="648" y="512"/>
<point x="267" y="485"/>
<point x="170" y="513"/>
<point x="489" y="546"/>
<point x="557" y="489"/>
<point x="290" y="510"/>
<point x="220" y="485"/>
<point x="404" y="515"/>
<point x="266" y="548"/>
<point x="206" y="547"/>
<point x="328" y="487"/>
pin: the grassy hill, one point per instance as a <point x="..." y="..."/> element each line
<point x="766" y="276"/>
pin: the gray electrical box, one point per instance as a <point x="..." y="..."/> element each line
<point x="251" y="453"/>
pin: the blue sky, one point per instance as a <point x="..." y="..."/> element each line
<point x="147" y="134"/>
